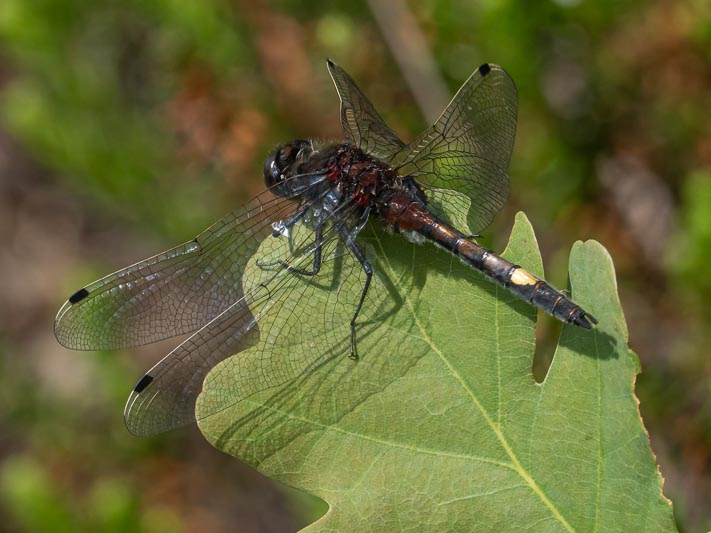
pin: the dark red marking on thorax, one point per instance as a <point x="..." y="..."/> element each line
<point x="359" y="176"/>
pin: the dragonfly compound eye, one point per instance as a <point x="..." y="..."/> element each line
<point x="272" y="172"/>
<point x="283" y="162"/>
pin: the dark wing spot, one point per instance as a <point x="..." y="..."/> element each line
<point x="143" y="383"/>
<point x="330" y="62"/>
<point x="78" y="296"/>
<point x="484" y="69"/>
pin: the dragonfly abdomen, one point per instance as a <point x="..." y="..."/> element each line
<point x="528" y="287"/>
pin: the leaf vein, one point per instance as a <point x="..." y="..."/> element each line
<point x="517" y="466"/>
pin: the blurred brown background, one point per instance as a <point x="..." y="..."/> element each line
<point x="126" y="127"/>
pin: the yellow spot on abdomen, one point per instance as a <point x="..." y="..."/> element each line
<point x="523" y="277"/>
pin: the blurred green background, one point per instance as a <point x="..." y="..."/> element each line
<point x="128" y="126"/>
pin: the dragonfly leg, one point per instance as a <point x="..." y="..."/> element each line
<point x="316" y="265"/>
<point x="349" y="241"/>
<point x="283" y="227"/>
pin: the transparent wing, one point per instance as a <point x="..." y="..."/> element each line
<point x="307" y="321"/>
<point x="464" y="157"/>
<point x="361" y="123"/>
<point x="164" y="398"/>
<point x="172" y="293"/>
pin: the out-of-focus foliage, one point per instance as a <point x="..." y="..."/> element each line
<point x="695" y="241"/>
<point x="127" y="126"/>
<point x="40" y="504"/>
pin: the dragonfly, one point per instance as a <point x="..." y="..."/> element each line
<point x="256" y="264"/>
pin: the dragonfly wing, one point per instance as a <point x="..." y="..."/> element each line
<point x="164" y="398"/>
<point x="465" y="155"/>
<point x="286" y="325"/>
<point x="172" y="293"/>
<point x="361" y="123"/>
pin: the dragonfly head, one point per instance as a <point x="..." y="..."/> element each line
<point x="282" y="163"/>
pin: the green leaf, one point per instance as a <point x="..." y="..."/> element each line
<point x="440" y="424"/>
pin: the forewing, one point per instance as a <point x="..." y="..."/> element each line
<point x="465" y="155"/>
<point x="361" y="123"/>
<point x="172" y="293"/>
<point x="308" y="321"/>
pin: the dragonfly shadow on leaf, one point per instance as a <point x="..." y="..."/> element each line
<point x="321" y="397"/>
<point x="597" y="345"/>
<point x="296" y="355"/>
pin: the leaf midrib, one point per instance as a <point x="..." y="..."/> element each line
<point x="515" y="463"/>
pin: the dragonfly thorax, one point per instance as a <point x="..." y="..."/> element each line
<point x="359" y="177"/>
